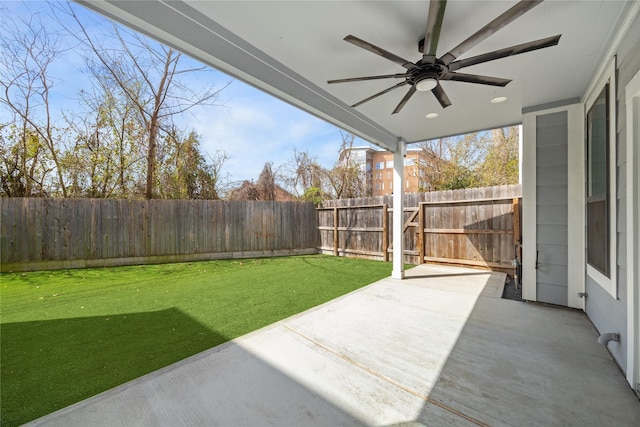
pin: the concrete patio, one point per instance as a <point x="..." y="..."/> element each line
<point x="440" y="348"/>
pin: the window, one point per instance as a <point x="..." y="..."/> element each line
<point x="391" y="186"/>
<point x="598" y="194"/>
<point x="409" y="162"/>
<point x="380" y="165"/>
<point x="600" y="206"/>
<point x="388" y="174"/>
<point x="390" y="164"/>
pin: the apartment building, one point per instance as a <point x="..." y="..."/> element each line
<point x="378" y="169"/>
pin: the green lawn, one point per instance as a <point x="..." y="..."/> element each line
<point x="69" y="334"/>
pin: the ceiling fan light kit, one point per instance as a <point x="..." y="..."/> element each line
<point x="426" y="84"/>
<point x="427" y="73"/>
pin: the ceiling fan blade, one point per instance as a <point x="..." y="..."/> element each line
<point x="359" y="79"/>
<point x="474" y="78"/>
<point x="380" y="93"/>
<point x="434" y="26"/>
<point x="510" y="15"/>
<point x="503" y="53"/>
<point x="381" y="52"/>
<point x="441" y="96"/>
<point x="404" y="100"/>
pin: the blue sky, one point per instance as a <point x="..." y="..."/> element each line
<point x="251" y="127"/>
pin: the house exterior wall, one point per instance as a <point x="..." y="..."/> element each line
<point x="607" y="313"/>
<point x="551" y="215"/>
<point x="557" y="196"/>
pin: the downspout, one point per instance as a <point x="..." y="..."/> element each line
<point x="398" y="209"/>
<point x="605" y="339"/>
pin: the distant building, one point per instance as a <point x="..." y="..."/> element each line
<point x="377" y="167"/>
<point x="283" y="195"/>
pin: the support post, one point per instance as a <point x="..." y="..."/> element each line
<point x="421" y="243"/>
<point x="398" y="211"/>
<point x="385" y="233"/>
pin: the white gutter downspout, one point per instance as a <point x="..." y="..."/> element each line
<point x="398" y="208"/>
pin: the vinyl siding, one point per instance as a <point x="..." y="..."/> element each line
<point x="551" y="214"/>
<point x="609" y="314"/>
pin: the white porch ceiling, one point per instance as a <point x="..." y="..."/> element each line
<point x="291" y="48"/>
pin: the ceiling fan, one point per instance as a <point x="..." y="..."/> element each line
<point x="429" y="71"/>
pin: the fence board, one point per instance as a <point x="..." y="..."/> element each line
<point x="472" y="226"/>
<point x="41" y="233"/>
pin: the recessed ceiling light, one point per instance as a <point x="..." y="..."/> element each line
<point x="431" y="115"/>
<point x="498" y="99"/>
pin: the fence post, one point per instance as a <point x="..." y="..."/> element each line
<point x="517" y="241"/>
<point x="335" y="231"/>
<point x="385" y="232"/>
<point x="516" y="221"/>
<point x="420" y="233"/>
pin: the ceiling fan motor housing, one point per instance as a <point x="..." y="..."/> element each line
<point x="425" y="71"/>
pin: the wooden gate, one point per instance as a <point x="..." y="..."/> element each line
<point x="473" y="227"/>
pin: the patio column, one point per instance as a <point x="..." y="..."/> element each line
<point x="398" y="206"/>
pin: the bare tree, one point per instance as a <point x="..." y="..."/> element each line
<point x="28" y="50"/>
<point x="473" y="160"/>
<point x="446" y="165"/>
<point x="150" y="76"/>
<point x="113" y="120"/>
<point x="184" y="172"/>
<point x="302" y="173"/>
<point x="347" y="178"/>
<point x="24" y="164"/>
<point x="266" y="183"/>
<point x="264" y="189"/>
<point x="304" y="176"/>
<point x="246" y="191"/>
<point x="500" y="165"/>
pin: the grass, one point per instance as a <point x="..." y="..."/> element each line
<point x="70" y="334"/>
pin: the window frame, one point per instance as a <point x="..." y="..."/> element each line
<point x="598" y="184"/>
<point x="608" y="283"/>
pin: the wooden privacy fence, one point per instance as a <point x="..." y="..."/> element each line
<point x="39" y="233"/>
<point x="477" y="227"/>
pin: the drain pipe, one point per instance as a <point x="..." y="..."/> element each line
<point x="604" y="339"/>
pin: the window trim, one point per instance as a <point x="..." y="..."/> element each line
<point x="609" y="284"/>
<point x="600" y="180"/>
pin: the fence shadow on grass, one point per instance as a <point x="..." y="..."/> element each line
<point x="47" y="365"/>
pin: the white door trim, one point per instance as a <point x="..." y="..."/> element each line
<point x="529" y="207"/>
<point x="575" y="202"/>
<point x="576" y="214"/>
<point x="632" y="99"/>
